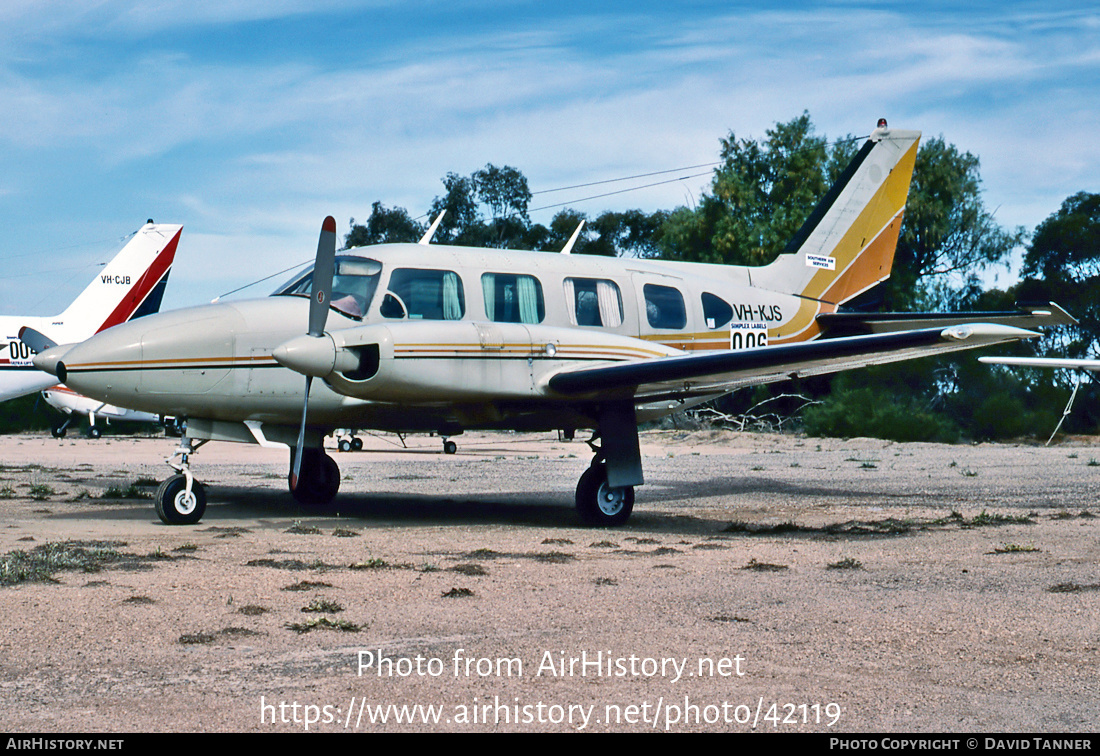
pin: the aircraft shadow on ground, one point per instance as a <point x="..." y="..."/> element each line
<point x="524" y="509"/>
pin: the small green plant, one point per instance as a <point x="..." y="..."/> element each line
<point x="1015" y="548"/>
<point x="763" y="566"/>
<point x="848" y="563"/>
<point x="41" y="491"/>
<point x="324" y="623"/>
<point x="326" y="606"/>
<point x="370" y="564"/>
<point x="132" y="491"/>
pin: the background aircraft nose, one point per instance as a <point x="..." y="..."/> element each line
<point x="49" y="360"/>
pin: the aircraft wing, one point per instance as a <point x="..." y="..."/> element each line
<point x="685" y="376"/>
<point x="834" y="324"/>
<point x="1043" y="362"/>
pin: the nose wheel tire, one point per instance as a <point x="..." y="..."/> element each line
<point x="176" y="506"/>
<point x="598" y="503"/>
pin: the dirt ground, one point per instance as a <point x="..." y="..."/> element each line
<point x="765" y="582"/>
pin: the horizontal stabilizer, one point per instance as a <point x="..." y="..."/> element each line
<point x="835" y="324"/>
<point x="1043" y="362"/>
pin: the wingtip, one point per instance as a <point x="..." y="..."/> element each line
<point x="329" y="225"/>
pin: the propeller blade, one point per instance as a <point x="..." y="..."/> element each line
<point x="37" y="341"/>
<point x="323" y="270"/>
<point x="301" y="438"/>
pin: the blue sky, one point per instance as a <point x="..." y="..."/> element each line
<point x="248" y="121"/>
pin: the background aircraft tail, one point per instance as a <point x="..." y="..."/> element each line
<point x="131" y="285"/>
<point x="847" y="245"/>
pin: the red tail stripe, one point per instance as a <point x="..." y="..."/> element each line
<point x="140" y="290"/>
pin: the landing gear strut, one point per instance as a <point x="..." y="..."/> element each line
<point x="181" y="500"/>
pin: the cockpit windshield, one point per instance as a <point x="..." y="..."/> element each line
<point x="353" y="285"/>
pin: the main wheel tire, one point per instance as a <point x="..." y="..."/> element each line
<point x="344" y="445"/>
<point x="318" y="480"/>
<point x="94" y="432"/>
<point x="356" y="443"/>
<point x="599" y="504"/>
<point x="175" y="506"/>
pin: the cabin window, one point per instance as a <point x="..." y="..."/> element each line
<point x="716" y="311"/>
<point x="664" y="306"/>
<point x="354" y="281"/>
<point x="513" y="298"/>
<point x="594" y="302"/>
<point x="424" y="295"/>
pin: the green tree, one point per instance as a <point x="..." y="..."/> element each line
<point x="384" y="226"/>
<point x="948" y="237"/>
<point x="760" y="196"/>
<point x="1062" y="264"/>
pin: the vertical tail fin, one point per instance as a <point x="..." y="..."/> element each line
<point x="131" y="285"/>
<point x="847" y="244"/>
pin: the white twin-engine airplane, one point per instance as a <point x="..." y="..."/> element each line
<point x="74" y="406"/>
<point x="433" y="338"/>
<point x="129" y="286"/>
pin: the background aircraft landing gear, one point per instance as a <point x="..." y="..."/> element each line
<point x="449" y="446"/>
<point x="179" y="504"/>
<point x="598" y="503"/>
<point x="350" y="444"/>
<point x="319" y="478"/>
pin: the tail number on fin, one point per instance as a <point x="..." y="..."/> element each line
<point x="748" y="335"/>
<point x="123" y="280"/>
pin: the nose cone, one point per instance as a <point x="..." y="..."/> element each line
<point x="308" y="355"/>
<point x="151" y="362"/>
<point x="48" y="360"/>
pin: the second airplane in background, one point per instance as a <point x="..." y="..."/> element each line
<point x="129" y="286"/>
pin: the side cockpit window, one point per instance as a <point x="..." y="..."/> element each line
<point x="664" y="306"/>
<point x="716" y="311"/>
<point x="511" y="298"/>
<point x="354" y="282"/>
<point x="594" y="302"/>
<point x="424" y="295"/>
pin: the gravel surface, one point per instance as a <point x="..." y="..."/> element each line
<point x="769" y="582"/>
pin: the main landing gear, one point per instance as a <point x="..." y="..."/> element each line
<point x="599" y="504"/>
<point x="319" y="477"/>
<point x="605" y="493"/>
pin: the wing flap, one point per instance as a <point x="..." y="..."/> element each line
<point x="703" y="374"/>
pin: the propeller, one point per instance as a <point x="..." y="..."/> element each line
<point x="321" y="291"/>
